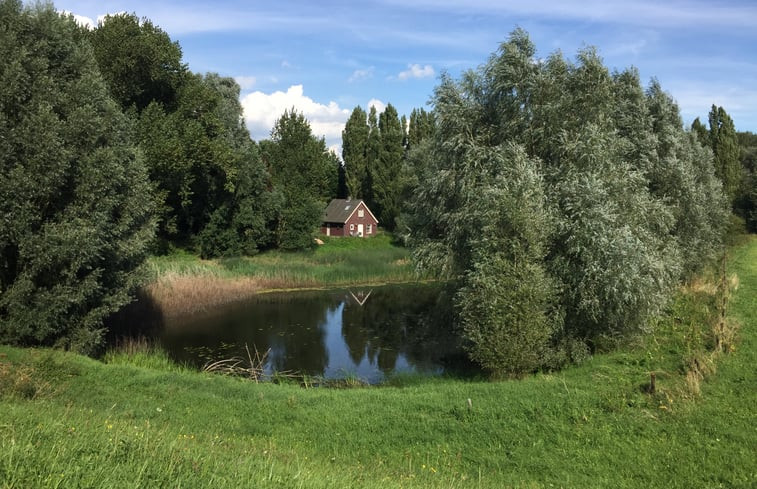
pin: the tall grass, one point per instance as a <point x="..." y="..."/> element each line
<point x="184" y="284"/>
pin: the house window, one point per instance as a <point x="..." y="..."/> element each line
<point x="360" y="213"/>
<point x="370" y="229"/>
<point x="352" y="227"/>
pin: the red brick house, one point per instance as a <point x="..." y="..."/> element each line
<point x="348" y="217"/>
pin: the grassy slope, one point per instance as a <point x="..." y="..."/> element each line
<point x="94" y="425"/>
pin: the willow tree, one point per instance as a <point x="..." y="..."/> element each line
<point x="74" y="193"/>
<point x="604" y="169"/>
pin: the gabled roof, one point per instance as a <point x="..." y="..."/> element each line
<point x="339" y="210"/>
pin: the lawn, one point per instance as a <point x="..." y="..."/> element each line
<point x="140" y="421"/>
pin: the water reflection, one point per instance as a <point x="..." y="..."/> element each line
<point x="368" y="333"/>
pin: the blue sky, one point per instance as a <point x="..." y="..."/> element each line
<point x="326" y="57"/>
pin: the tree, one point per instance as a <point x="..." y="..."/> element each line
<point x="74" y="193"/>
<point x="624" y="200"/>
<point x="506" y="301"/>
<point x="420" y="127"/>
<point x="725" y="146"/>
<point x="746" y="198"/>
<point x="303" y="170"/>
<point x="386" y="170"/>
<point x="138" y="60"/>
<point x="372" y="152"/>
<point x="354" y="152"/>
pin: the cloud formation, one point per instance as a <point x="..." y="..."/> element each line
<point x="359" y="75"/>
<point x="262" y="110"/>
<point x="380" y="106"/>
<point x="245" y="82"/>
<point x="416" y="71"/>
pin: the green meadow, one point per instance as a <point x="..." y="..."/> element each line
<point x="135" y="419"/>
<point x="338" y="261"/>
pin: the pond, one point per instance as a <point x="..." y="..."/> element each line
<point x="367" y="333"/>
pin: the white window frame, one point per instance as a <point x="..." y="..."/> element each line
<point x="370" y="229"/>
<point x="352" y="227"/>
<point x="360" y="213"/>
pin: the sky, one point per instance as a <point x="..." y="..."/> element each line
<point x="326" y="57"/>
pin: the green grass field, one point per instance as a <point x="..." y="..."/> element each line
<point x="139" y="421"/>
<point x="339" y="261"/>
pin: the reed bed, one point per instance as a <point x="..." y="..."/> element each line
<point x="185" y="284"/>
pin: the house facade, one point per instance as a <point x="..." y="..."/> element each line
<point x="348" y="217"/>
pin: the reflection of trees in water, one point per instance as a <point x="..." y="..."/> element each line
<point x="394" y="321"/>
<point x="398" y="320"/>
<point x="288" y="325"/>
<point x="292" y="329"/>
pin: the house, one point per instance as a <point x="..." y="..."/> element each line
<point x="348" y="217"/>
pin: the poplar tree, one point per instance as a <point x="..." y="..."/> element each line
<point x="725" y="146"/>
<point x="372" y="152"/>
<point x="354" y="152"/>
<point x="385" y="180"/>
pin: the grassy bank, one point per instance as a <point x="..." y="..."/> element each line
<point x="69" y="421"/>
<point x="184" y="283"/>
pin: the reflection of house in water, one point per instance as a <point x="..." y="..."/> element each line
<point x="360" y="297"/>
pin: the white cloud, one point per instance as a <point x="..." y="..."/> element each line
<point x="416" y="71"/>
<point x="380" y="106"/>
<point x="82" y="20"/>
<point x="286" y="64"/>
<point x="262" y="110"/>
<point x="245" y="82"/>
<point x="359" y="75"/>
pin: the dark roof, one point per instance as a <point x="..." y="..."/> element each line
<point x="339" y="210"/>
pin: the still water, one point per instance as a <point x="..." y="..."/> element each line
<point x="363" y="332"/>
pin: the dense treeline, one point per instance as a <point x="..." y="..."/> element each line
<point x="564" y="202"/>
<point x="111" y="147"/>
<point x="374" y="151"/>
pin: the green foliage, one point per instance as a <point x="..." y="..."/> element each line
<point x="634" y="200"/>
<point x="211" y="183"/>
<point x="506" y="296"/>
<point x="725" y="146"/>
<point x="73" y="192"/>
<point x="372" y="152"/>
<point x="746" y="197"/>
<point x="385" y="172"/>
<point x="304" y="172"/>
<point x="354" y="148"/>
<point x="138" y="60"/>
<point x="421" y="127"/>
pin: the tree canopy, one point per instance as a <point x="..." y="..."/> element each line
<point x="75" y="199"/>
<point x="625" y="202"/>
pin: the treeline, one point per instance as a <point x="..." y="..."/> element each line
<point x="216" y="190"/>
<point x="564" y="203"/>
<point x="112" y="149"/>
<point x="374" y="149"/>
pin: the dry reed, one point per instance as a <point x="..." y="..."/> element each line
<point x="178" y="295"/>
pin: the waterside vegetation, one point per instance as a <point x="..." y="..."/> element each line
<point x="182" y="282"/>
<point x="71" y="421"/>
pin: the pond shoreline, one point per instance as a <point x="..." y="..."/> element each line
<point x="183" y="283"/>
<point x="179" y="296"/>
